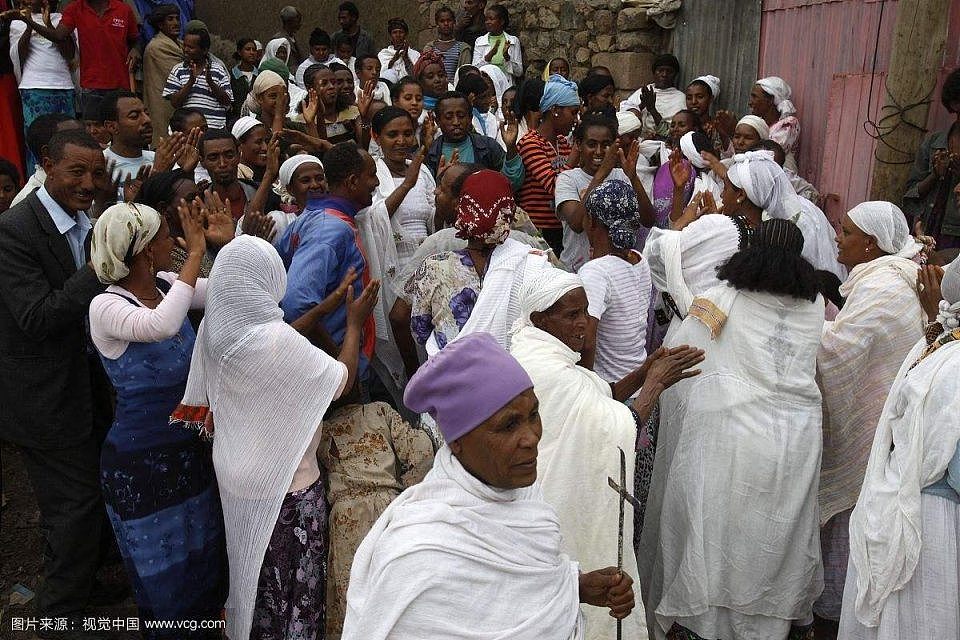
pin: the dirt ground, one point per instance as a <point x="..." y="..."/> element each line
<point x="21" y="549"/>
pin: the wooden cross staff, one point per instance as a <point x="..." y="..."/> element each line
<point x="624" y="497"/>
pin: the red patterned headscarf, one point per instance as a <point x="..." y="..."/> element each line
<point x="486" y="208"/>
<point x="428" y="57"/>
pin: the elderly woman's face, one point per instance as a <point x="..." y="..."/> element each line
<point x="502" y="451"/>
<point x="854" y="246"/>
<point x="566" y="320"/>
<point x="744" y="137"/>
<point x="308" y="178"/>
<point x="761" y="103"/>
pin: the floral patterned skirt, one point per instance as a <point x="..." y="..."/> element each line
<point x="291" y="588"/>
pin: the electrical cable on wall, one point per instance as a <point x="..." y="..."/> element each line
<point x="880" y="129"/>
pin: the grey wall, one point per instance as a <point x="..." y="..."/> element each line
<point x="260" y="18"/>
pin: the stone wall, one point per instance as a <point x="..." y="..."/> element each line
<point x="585" y="32"/>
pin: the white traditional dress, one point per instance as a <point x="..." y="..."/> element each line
<point x="454" y="558"/>
<point x="582" y="427"/>
<point x="903" y="580"/>
<point x="860" y="354"/>
<point x="730" y="546"/>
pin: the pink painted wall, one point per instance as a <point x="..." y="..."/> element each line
<point x="824" y="49"/>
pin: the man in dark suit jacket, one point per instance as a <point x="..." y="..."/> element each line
<point x="54" y="393"/>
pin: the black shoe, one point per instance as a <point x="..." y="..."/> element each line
<point x="106" y="594"/>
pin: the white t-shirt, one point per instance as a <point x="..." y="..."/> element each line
<point x="44" y="68"/>
<point x="570" y="185"/>
<point x="618" y="295"/>
<point x="124" y="167"/>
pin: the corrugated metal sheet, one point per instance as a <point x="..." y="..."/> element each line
<point x="808" y="46"/>
<point x="722" y="39"/>
<point x="825" y="50"/>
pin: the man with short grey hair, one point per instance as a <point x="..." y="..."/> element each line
<point x="290" y="20"/>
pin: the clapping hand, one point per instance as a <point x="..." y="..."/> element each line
<point x="258" y="224"/>
<point x="928" y="289"/>
<point x="219" y="227"/>
<point x="191" y="219"/>
<point x="359" y="310"/>
<point x="680" y="171"/>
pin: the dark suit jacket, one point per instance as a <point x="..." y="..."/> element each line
<point x="45" y="373"/>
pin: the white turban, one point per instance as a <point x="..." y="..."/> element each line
<point x="756" y="123"/>
<point x="781" y="93"/>
<point x="690" y="151"/>
<point x="627" y="122"/>
<point x="711" y="81"/>
<point x="765" y="184"/>
<point x="243" y="125"/>
<point x="291" y="164"/>
<point x="885" y="222"/>
<point x="121" y="232"/>
<point x="542" y="291"/>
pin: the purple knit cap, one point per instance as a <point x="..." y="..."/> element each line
<point x="468" y="381"/>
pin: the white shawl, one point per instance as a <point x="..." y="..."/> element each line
<point x="582" y="427"/>
<point x="860" y="354"/>
<point x="684" y="263"/>
<point x="731" y="534"/>
<point x="916" y="439"/>
<point x="498" y="304"/>
<point x="377" y="234"/>
<point x="455" y="558"/>
<point x="260" y="438"/>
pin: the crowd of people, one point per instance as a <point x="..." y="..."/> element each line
<point x="345" y="342"/>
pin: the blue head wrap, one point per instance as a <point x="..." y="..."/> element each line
<point x="559" y="92"/>
<point x="614" y="203"/>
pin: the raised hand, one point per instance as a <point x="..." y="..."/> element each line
<point x="629" y="160"/>
<point x="510" y="130"/>
<point x="427" y="132"/>
<point x="219" y="228"/>
<point x="191" y="219"/>
<point x="928" y="289"/>
<point x="258" y="224"/>
<point x="359" y="310"/>
<point x="648" y="98"/>
<point x="311" y="106"/>
<point x="941" y="162"/>
<point x="680" y="170"/>
<point x="365" y="97"/>
<point x="339" y="295"/>
<point x="273" y="158"/>
<point x="132" y="184"/>
<point x="190" y="152"/>
<point x="167" y="151"/>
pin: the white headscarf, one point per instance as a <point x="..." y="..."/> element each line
<point x="500" y="81"/>
<point x="756" y="123"/>
<point x="291" y="164"/>
<point x="885" y="222"/>
<point x="781" y="93"/>
<point x="270" y="52"/>
<point x="264" y="81"/>
<point x="949" y="314"/>
<point x="260" y="439"/>
<point x="765" y="184"/>
<point x="690" y="151"/>
<point x="711" y="81"/>
<point x="243" y="125"/>
<point x="627" y="122"/>
<point x="542" y="291"/>
<point x="121" y="232"/>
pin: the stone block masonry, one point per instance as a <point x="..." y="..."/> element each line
<point x="585" y="32"/>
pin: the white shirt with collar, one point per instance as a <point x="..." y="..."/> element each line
<point x="34" y="182"/>
<point x="74" y="228"/>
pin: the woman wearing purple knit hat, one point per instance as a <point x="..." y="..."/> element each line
<point x="473" y="550"/>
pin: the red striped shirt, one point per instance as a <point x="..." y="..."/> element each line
<point x="542" y="163"/>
